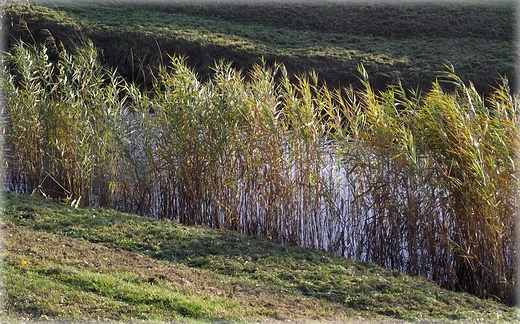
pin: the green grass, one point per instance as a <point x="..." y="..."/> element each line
<point x="394" y="42"/>
<point x="62" y="263"/>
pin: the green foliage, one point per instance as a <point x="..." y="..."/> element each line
<point x="419" y="182"/>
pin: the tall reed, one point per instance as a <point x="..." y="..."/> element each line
<point x="419" y="182"/>
<point x="64" y="121"/>
<point x="436" y="176"/>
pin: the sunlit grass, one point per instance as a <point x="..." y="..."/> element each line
<point x="73" y="264"/>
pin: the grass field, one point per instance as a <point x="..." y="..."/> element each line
<point x="393" y="40"/>
<point x="81" y="265"/>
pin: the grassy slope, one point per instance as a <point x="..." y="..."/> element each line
<point x="87" y="264"/>
<point x="406" y="42"/>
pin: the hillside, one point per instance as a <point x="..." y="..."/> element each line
<point x="68" y="264"/>
<point x="393" y="40"/>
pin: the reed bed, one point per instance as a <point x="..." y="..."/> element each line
<point x="63" y="122"/>
<point x="424" y="183"/>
